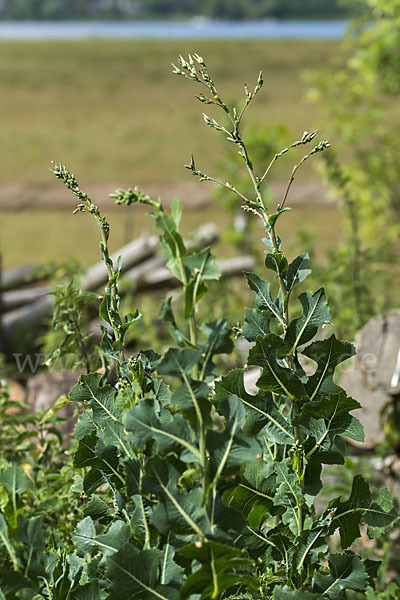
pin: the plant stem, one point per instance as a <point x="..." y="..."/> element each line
<point x="111" y="273"/>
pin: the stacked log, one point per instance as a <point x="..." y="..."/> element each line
<point x="142" y="265"/>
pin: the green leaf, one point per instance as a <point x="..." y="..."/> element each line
<point x="100" y="398"/>
<point x="193" y="398"/>
<point x="378" y="514"/>
<point x="323" y="421"/>
<point x="231" y="448"/>
<point x="171" y="434"/>
<point x="257" y="323"/>
<point x="12" y="582"/>
<point x="6" y="542"/>
<point x="287" y="593"/>
<point x="261" y="408"/>
<point x="218" y="338"/>
<point x="201" y="266"/>
<point x="172" y="242"/>
<point x="86" y="540"/>
<point x="297" y="271"/>
<point x="310" y="543"/>
<point x="102" y="460"/>
<point x="254" y="495"/>
<point x="114" y="434"/>
<point x="134" y="574"/>
<point x="263" y="297"/>
<point x="328" y="354"/>
<point x="89" y="591"/>
<point x="139" y="523"/>
<point x="170" y="573"/>
<point x="30" y="533"/>
<point x="274" y="377"/>
<point x="282" y="540"/>
<point x="272" y="219"/>
<point x="132" y="476"/>
<point x="178" y="362"/>
<point x="15" y="481"/>
<point x="176" y="212"/>
<point x="83" y="536"/>
<point x="346" y="572"/>
<point x="276" y="262"/>
<point x="114" y="539"/>
<point x="304" y="328"/>
<point x="218" y="572"/>
<point x="97" y="509"/>
<point x="182" y="513"/>
<point x="166" y="313"/>
<point x="85" y="425"/>
<point x="288" y="495"/>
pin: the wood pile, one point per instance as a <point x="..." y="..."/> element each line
<point x="25" y="300"/>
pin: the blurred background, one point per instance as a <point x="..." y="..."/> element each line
<point x="100" y="97"/>
<point x="89" y="83"/>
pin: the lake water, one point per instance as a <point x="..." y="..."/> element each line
<point x="197" y="28"/>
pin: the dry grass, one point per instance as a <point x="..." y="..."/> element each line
<point x="60" y="235"/>
<point x="112" y="111"/>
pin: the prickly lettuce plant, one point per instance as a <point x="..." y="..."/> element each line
<point x="299" y="413"/>
<point x="194" y="487"/>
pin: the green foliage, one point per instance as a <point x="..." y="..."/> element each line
<point x="359" y="93"/>
<point x="193" y="487"/>
<point x="37" y="493"/>
<point x="69" y="312"/>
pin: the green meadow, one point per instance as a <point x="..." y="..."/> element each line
<point x="112" y="110"/>
<point x="113" y="113"/>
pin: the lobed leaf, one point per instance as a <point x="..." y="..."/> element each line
<point x="171" y="433"/>
<point x="100" y="398"/>
<point x="257" y="323"/>
<point x="322" y="421"/>
<point x="87" y="541"/>
<point x="315" y="313"/>
<point x="261" y="409"/>
<point x="275" y="377"/>
<point x="377" y="514"/>
<point x="134" y="574"/>
<point x="182" y="513"/>
<point x="15" y="480"/>
<point x="263" y="296"/>
<point x="328" y="354"/>
<point x="254" y="495"/>
<point x="346" y="572"/>
<point x="231" y="448"/>
<point x="219" y="571"/>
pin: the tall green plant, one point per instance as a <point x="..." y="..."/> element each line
<point x="195" y="488"/>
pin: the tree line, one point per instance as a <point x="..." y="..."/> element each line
<point x="222" y="9"/>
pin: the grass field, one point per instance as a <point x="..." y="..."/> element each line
<point x="113" y="111"/>
<point x="60" y="235"/>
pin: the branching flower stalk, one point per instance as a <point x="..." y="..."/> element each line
<point x="109" y="308"/>
<point x="195" y="69"/>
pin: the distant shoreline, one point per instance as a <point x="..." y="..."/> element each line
<point x="195" y="28"/>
